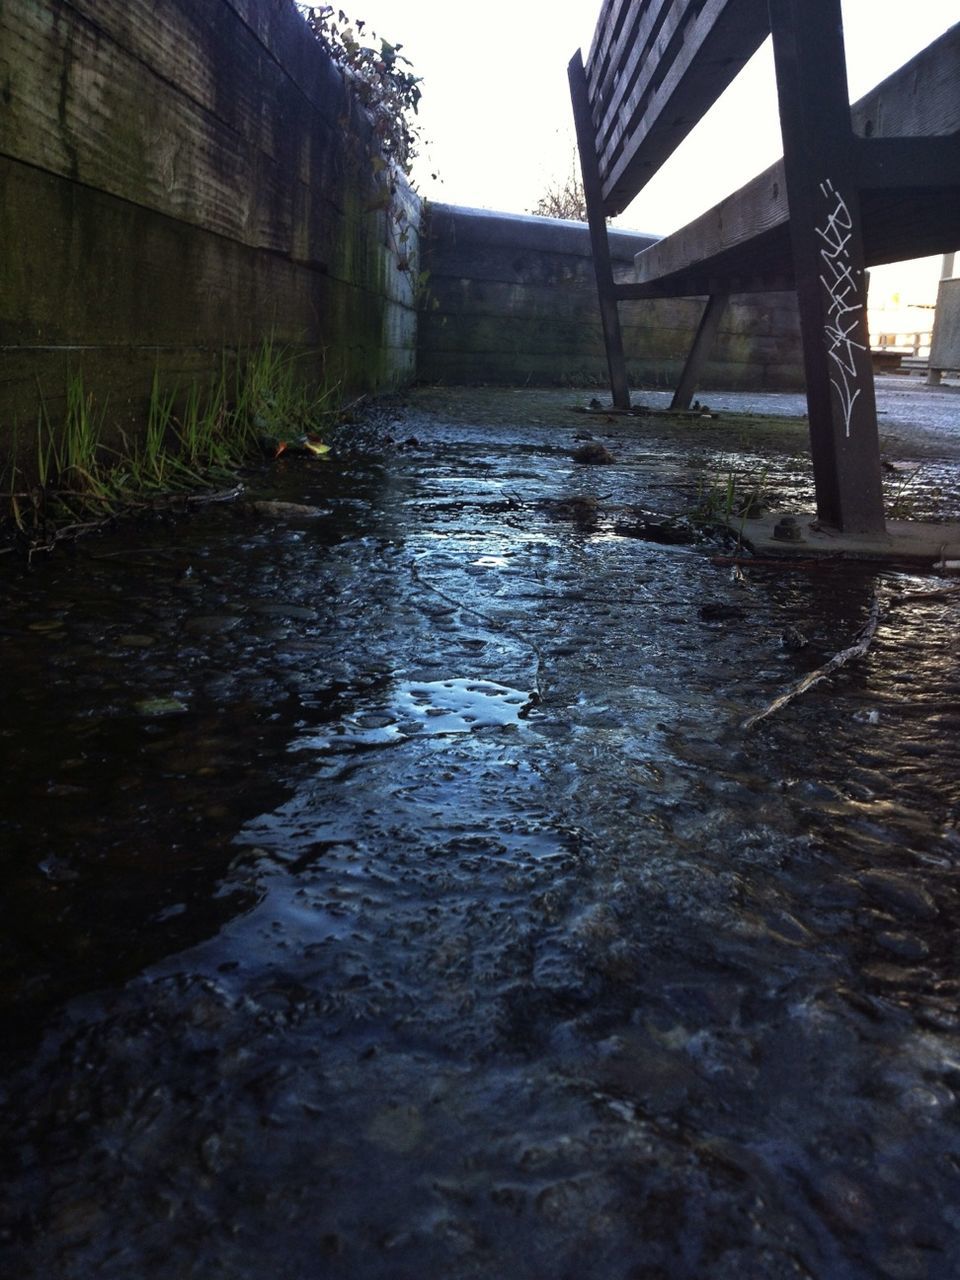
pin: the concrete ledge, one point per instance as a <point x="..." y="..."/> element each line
<point x="906" y="541"/>
<point x="522" y="231"/>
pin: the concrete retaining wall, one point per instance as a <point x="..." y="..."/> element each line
<point x="508" y="299"/>
<point x="182" y="178"/>
<point x="179" y="179"/>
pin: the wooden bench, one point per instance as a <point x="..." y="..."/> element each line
<point x="878" y="182"/>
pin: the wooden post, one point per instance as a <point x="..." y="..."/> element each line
<point x="935" y="376"/>
<point x="703" y="343"/>
<point x="820" y="165"/>
<point x="606" y="289"/>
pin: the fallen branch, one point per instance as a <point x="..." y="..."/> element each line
<point x="859" y="647"/>
<point x="352" y="404"/>
<point x="124" y="552"/>
<point x="215" y="495"/>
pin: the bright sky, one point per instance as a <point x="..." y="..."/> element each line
<point x="496" y="107"/>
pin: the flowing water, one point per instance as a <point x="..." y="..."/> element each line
<point x="392" y="891"/>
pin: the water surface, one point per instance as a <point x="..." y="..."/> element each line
<point x="394" y="892"/>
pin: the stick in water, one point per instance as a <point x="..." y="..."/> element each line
<point x="859" y="647"/>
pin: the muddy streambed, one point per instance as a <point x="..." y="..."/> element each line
<point x="392" y="892"/>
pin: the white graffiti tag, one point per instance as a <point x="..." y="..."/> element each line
<point x="843" y="296"/>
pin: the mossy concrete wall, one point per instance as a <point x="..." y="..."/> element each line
<point x="179" y="179"/>
<point x="510" y="299"/>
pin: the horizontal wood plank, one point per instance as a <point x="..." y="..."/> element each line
<point x="921" y="97"/>
<point x="747" y="234"/>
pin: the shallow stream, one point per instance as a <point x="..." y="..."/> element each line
<point x="392" y="891"/>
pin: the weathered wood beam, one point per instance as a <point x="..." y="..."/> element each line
<point x="702" y="47"/>
<point x="893" y="229"/>
<point x="759" y="207"/>
<point x="700" y="350"/>
<point x="692" y="285"/>
<point x="826" y="235"/>
<point x="921" y="97"/>
<point x="609" y="317"/>
<point x="892" y="164"/>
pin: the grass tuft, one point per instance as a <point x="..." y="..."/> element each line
<point x="73" y="480"/>
<point x="722" y="494"/>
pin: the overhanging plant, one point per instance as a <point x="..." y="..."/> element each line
<point x="380" y="77"/>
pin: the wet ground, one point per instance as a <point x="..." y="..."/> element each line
<point x="392" y="891"/>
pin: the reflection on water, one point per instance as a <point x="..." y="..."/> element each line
<point x="426" y="706"/>
<point x="334" y="952"/>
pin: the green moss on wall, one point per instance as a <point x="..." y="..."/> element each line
<point x="177" y="197"/>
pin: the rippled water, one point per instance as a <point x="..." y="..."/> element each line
<point x="394" y="893"/>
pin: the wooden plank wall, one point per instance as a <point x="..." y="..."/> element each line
<point x="514" y="299"/>
<point x="179" y="178"/>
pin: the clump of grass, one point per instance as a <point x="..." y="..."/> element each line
<point x="69" y="479"/>
<point x="203" y="431"/>
<point x="715" y="498"/>
<point x="272" y="398"/>
<point x="152" y="465"/>
<point x="722" y="495"/>
<point x="74" y="480"/>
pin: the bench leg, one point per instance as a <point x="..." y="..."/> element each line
<point x="616" y="361"/>
<point x="606" y="289"/>
<point x="818" y="150"/>
<point x="703" y="344"/>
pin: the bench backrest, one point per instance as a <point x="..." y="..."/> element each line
<point x="654" y="69"/>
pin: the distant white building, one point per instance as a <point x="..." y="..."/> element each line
<point x="901" y="304"/>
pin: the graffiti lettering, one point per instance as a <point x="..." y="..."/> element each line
<point x="844" y="310"/>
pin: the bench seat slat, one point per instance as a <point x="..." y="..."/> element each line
<point x="613" y="16"/>
<point x="645" y="55"/>
<point x="671" y="61"/>
<point x="921" y="99"/>
<point x="629" y="31"/>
